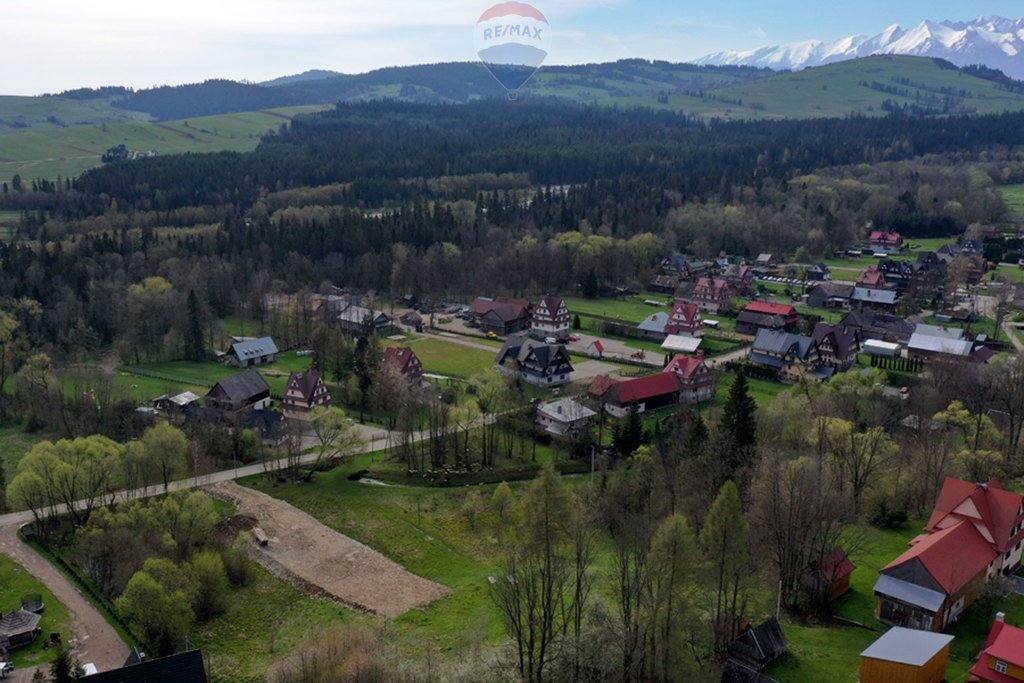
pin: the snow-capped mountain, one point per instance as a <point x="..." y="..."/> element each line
<point x="995" y="42"/>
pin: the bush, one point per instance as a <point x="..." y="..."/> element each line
<point x="237" y="564"/>
<point x="885" y="514"/>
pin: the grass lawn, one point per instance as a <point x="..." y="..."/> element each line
<point x="15" y="582"/>
<point x="1013" y="195"/>
<point x="203" y="374"/>
<point x="264" y="622"/>
<point x="14" y="444"/>
<point x="763" y="391"/>
<point x="441" y="357"/>
<point x="1013" y="274"/>
<point x="632" y="309"/>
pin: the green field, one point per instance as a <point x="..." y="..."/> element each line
<point x="441" y="357"/>
<point x="1013" y="195"/>
<point x="69" y="151"/>
<point x="632" y="309"/>
<point x="15" y="582"/>
<point x="14" y="444"/>
<point x="19" y="114"/>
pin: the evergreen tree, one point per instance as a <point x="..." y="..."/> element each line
<point x="629" y="436"/>
<point x="739" y="425"/>
<point x="696" y="437"/>
<point x="65" y="668"/>
<point x="3" y="489"/>
<point x="590" y="286"/>
<point x="576" y="322"/>
<point x="195" y="349"/>
<point x="366" y="363"/>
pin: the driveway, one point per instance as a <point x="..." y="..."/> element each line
<point x="1018" y="582"/>
<point x="615" y="348"/>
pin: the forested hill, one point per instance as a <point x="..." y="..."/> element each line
<point x="385" y="151"/>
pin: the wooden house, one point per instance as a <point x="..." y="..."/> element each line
<point x="838" y="346"/>
<point x="18" y="629"/>
<point x="761" y="315"/>
<point x="827" y="578"/>
<point x="234" y="395"/>
<point x="830" y="295"/>
<point x="306" y="391"/>
<point x="885" y="241"/>
<point x="685" y="320"/>
<point x="758" y="647"/>
<point x="404" y="361"/>
<point x="904" y="655"/>
<point x="711" y="294"/>
<point x="1002" y="659"/>
<point x="550" y="318"/>
<point x="696" y="380"/>
<point x="546" y="365"/>
<point x="500" y="315"/>
<point x="789" y="356"/>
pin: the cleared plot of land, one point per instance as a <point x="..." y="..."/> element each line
<point x="70" y="151"/>
<point x="451" y="359"/>
<point x="321" y="560"/>
<point x="1013" y="195"/>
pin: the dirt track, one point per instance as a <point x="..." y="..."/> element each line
<point x="325" y="563"/>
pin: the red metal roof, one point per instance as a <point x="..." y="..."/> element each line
<point x="685" y="366"/>
<point x="645" y="388"/>
<point x="953" y="556"/>
<point x="771" y="309"/>
<point x="998" y="510"/>
<point x="836" y="565"/>
<point x="599" y="346"/>
<point x="1005" y="643"/>
<point x="600" y="385"/>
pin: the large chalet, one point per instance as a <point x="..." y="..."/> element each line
<point x="404" y="361"/>
<point x="545" y="365"/>
<point x="685" y="320"/>
<point x="550" y="318"/>
<point x="974" y="533"/>
<point x="685" y="380"/>
<point x="711" y="294"/>
<point x="306" y="391"/>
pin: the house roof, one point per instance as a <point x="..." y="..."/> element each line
<point x="600" y="385"/>
<point x="874" y="296"/>
<point x="775" y="342"/>
<point x="685" y="366"/>
<point x="520" y="349"/>
<point x="944" y="345"/>
<point x="243" y="386"/>
<point x="834" y="290"/>
<point x="765" y="307"/>
<point x="506" y="309"/>
<point x="654" y="323"/>
<point x="910" y="593"/>
<point x="1006" y="642"/>
<point x="552" y="304"/>
<point x="843" y="338"/>
<point x="686" y="312"/>
<point x="398" y="358"/>
<point x="18" y="623"/>
<point x="565" y="410"/>
<point x="952" y="556"/>
<point x="941" y="332"/>
<point x="869" y="319"/>
<point x="836" y="565"/>
<point x="872" y="276"/>
<point x="254" y="348"/>
<point x="305" y="382"/>
<point x="907" y="646"/>
<point x="988" y="504"/>
<point x="183" y="399"/>
<point x="886" y="235"/>
<point x="644" y="388"/>
<point x="186" y="667"/>
<point x="764" y="320"/>
<point x="760" y="645"/>
<point x="597" y="345"/>
<point x="358" y="315"/>
<point x="678" y="343"/>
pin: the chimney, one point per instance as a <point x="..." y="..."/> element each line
<point x="1000" y="616"/>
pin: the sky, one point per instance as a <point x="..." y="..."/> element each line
<point x="61" y="44"/>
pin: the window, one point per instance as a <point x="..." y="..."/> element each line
<point x="1001" y="666"/>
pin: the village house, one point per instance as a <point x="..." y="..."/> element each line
<point x="234" y="395"/>
<point x="306" y="391"/>
<point x="245" y="354"/>
<point x="838" y="346"/>
<point x="885" y="242"/>
<point x="872" y="278"/>
<point x="685" y="320"/>
<point x="653" y="327"/>
<point x="761" y="315"/>
<point x="975" y="532"/>
<point x="500" y="315"/>
<point x="403" y="360"/>
<point x="1002" y="659"/>
<point x="356" y="319"/>
<point x="646" y="393"/>
<point x="675" y="270"/>
<point x="550" y="318"/>
<point x="565" y="417"/>
<point x="881" y="299"/>
<point x="740" y="278"/>
<point x="711" y="294"/>
<point x="906" y="655"/>
<point x="880" y="326"/>
<point x="765" y="261"/>
<point x="754" y="650"/>
<point x="827" y="578"/>
<point x="818" y="272"/>
<point x="177" y="405"/>
<point x="536" y="363"/>
<point x="788" y="356"/>
<point x="696" y="380"/>
<point x="830" y="295"/>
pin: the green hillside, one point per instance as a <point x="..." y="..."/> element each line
<point x="72" y="150"/>
<point x="19" y="114"/>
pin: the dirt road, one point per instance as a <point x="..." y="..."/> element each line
<point x="95" y="640"/>
<point x="323" y="562"/>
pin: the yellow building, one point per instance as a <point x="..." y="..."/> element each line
<point x="905" y="655"/>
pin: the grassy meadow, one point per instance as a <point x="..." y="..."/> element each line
<point x="15" y="582"/>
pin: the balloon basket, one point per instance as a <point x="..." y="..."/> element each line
<point x="513" y="95"/>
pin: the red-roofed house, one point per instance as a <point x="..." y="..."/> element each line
<point x="550" y="318"/>
<point x="596" y="349"/>
<point x="761" y="315"/>
<point x="872" y="278"/>
<point x="1002" y="660"/>
<point x="885" y="241"/>
<point x="695" y="379"/>
<point x="404" y="360"/>
<point x="828" y="577"/>
<point x="685" y="320"/>
<point x="710" y="294"/>
<point x="975" y="532"/>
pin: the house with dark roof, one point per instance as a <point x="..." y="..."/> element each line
<point x="830" y="295"/>
<point x="838" y="346"/>
<point x="653" y="326"/>
<point x="761" y="315"/>
<point x="819" y="272"/>
<point x="18" y="628"/>
<point x="711" y="294"/>
<point x="740" y="278"/>
<point x="550" y="318"/>
<point x="234" y="395"/>
<point x="245" y="354"/>
<point x="185" y="667"/>
<point x="789" y="356"/>
<point x="500" y="315"/>
<point x="974" y="533"/>
<point x="685" y="320"/>
<point x="759" y="646"/>
<point x="404" y="361"/>
<point x="674" y="270"/>
<point x="906" y="655"/>
<point x="881" y="326"/>
<point x="1002" y="659"/>
<point x="350" y="315"/>
<point x="306" y="391"/>
<point x="546" y="365"/>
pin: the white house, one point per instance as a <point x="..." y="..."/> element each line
<point x="564" y="417"/>
<point x="550" y="318"/>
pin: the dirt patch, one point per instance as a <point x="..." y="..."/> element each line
<point x="324" y="563"/>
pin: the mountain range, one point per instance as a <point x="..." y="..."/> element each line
<point x="995" y="42"/>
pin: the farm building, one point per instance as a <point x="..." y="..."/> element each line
<point x="828" y="578"/>
<point x="873" y="347"/>
<point x="306" y="391"/>
<point x="233" y="395"/>
<point x="500" y="315"/>
<point x="1002" y="660"/>
<point x="596" y="349"/>
<point x="185" y="667"/>
<point x="681" y="344"/>
<point x="830" y="295"/>
<point x="653" y="326"/>
<point x="904" y="655"/>
<point x="759" y="646"/>
<point x="246" y="354"/>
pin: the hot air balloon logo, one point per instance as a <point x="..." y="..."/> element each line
<point x="512" y="40"/>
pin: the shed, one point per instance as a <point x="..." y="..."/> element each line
<point x="253" y="352"/>
<point x="759" y="646"/>
<point x="596" y="349"/>
<point x="678" y="343"/>
<point x="905" y="655"/>
<point x="874" y="347"/>
<point x="18" y="628"/>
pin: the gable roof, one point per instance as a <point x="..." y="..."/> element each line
<point x="886" y="297"/>
<point x="242" y="386"/>
<point x="643" y="388"/>
<point x="836" y="565"/>
<point x="521" y="349"/>
<point x="760" y="645"/>
<point x="654" y="323"/>
<point x="18" y="622"/>
<point x="953" y="556"/>
<point x="944" y="345"/>
<point x="907" y="646"/>
<point x="988" y="504"/>
<point x="565" y="410"/>
<point x="507" y="310"/>
<point x="1006" y="643"/>
<point x="872" y="276"/>
<point x="775" y="342"/>
<point x="686" y="312"/>
<point x="685" y="367"/>
<point x="939" y="331"/>
<point x="254" y="348"/>
<point x="842" y="338"/>
<point x="910" y="593"/>
<point x="398" y="357"/>
<point x="765" y="307"/>
<point x="186" y="667"/>
<point x="552" y="304"/>
<point x="305" y="382"/>
<point x="681" y="343"/>
<point x="834" y="290"/>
